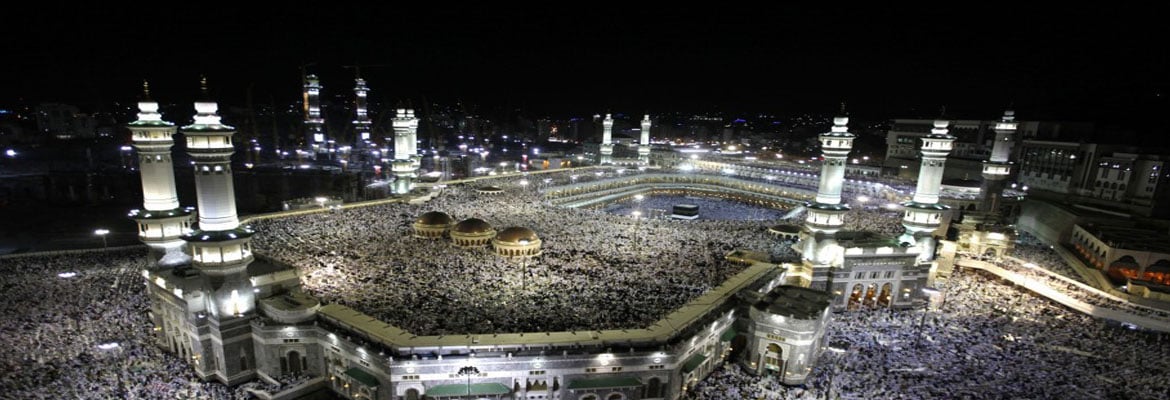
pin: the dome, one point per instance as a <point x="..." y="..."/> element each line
<point x="434" y="218"/>
<point x="517" y="234"/>
<point x="786" y="228"/>
<point x="472" y="226"/>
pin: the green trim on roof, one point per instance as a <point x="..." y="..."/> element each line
<point x="608" y="382"/>
<point x="362" y="376"/>
<point x="693" y="362"/>
<point x="728" y="334"/>
<point x="460" y="389"/>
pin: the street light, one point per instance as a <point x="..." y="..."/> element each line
<point x="637" y="224"/>
<point x="321" y="201"/>
<point x="838" y="348"/>
<point x="102" y="233"/>
<point x="469" y="371"/>
<point x="929" y="291"/>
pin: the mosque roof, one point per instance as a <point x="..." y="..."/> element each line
<point x="472" y="225"/>
<point x="795" y="302"/>
<point x="516" y="234"/>
<point x="435" y="218"/>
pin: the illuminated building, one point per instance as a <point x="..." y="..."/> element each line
<point x="644" y="143"/>
<point x="161" y="221"/>
<point x="361" y="122"/>
<point x="607" y="140"/>
<point x="314" y="122"/>
<point x="204" y="312"/>
<point x="858" y="269"/>
<point x="406" y="159"/>
<point x="826" y="215"/>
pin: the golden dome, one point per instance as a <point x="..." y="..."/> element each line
<point x="472" y="226"/>
<point x="434" y="218"/>
<point x="516" y="234"/>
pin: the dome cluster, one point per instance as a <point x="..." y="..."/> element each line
<point x="474" y="232"/>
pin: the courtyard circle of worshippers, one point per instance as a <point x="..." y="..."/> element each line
<point x="77" y="323"/>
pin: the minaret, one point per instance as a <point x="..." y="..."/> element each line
<point x="314" y="123"/>
<point x="220" y="249"/>
<point x="826" y="216"/>
<point x="361" y="123"/>
<point x="923" y="215"/>
<point x="997" y="168"/>
<point x="405" y="164"/>
<point x="607" y="140"/>
<point x="161" y="221"/>
<point x="644" y="143"/>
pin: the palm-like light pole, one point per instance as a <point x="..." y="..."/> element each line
<point x="469" y="371"/>
<point x="102" y="233"/>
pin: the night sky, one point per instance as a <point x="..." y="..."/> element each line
<point x="1085" y="63"/>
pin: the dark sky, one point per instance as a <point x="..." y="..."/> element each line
<point x="1052" y="63"/>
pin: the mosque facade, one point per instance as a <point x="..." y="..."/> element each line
<point x="235" y="316"/>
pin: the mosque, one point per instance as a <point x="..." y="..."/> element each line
<point x="235" y="316"/>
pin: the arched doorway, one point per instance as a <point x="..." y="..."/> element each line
<point x="588" y="397"/>
<point x="884" y="296"/>
<point x="654" y="388"/>
<point x="855" y="297"/>
<point x="870" y="299"/>
<point x="294" y="362"/>
<point x="411" y="394"/>
<point x="1122" y="269"/>
<point x="1158" y="272"/>
<point x="615" y="396"/>
<point x="773" y="358"/>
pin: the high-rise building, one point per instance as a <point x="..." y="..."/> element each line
<point x="314" y="122"/>
<point x="361" y="122"/>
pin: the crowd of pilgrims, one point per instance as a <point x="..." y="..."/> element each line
<point x="78" y="325"/>
<point x="597" y="271"/>
<point x="988" y="340"/>
<point x="54" y="326"/>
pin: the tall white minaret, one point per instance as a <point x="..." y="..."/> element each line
<point x="923" y="215"/>
<point x="219" y="246"/>
<point x="314" y="122"/>
<point x="361" y="122"/>
<point x="826" y="215"/>
<point x="644" y="142"/>
<point x="405" y="164"/>
<point x="161" y="222"/>
<point x="997" y="168"/>
<point x="607" y="140"/>
<point x="224" y="304"/>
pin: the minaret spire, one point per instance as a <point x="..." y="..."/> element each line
<point x="826" y="215"/>
<point x="644" y="141"/>
<point x="924" y="214"/>
<point x="997" y="168"/>
<point x="607" y="139"/>
<point x="160" y="221"/>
